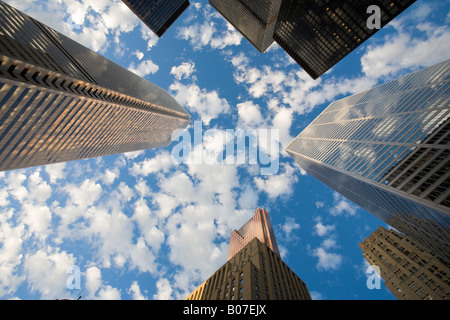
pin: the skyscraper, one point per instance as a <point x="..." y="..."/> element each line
<point x="60" y="101"/>
<point x="410" y="272"/>
<point x="255" y="20"/>
<point x="258" y="226"/>
<point x="254" y="271"/>
<point x="388" y="150"/>
<point x="319" y="33"/>
<point x="158" y="15"/>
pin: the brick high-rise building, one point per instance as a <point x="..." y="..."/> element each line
<point x="409" y="271"/>
<point x="158" y="15"/>
<point x="60" y="101"/>
<point x="258" y="226"/>
<point x="254" y="271"/>
<point x="388" y="150"/>
<point x="317" y="34"/>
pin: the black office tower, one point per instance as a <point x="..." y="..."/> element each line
<point x="317" y="34"/>
<point x="255" y="20"/>
<point x="158" y="15"/>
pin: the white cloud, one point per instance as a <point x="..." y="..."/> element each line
<point x="160" y="163"/>
<point x="289" y="226"/>
<point x="280" y="184"/>
<point x="342" y="206"/>
<point x="164" y="290"/>
<point x="138" y="54"/>
<point x="135" y="291"/>
<point x="11" y="254"/>
<point x="249" y="113"/>
<point x="84" y="195"/>
<point x="322" y="229"/>
<point x="183" y="71"/>
<point x="206" y="103"/>
<point x="143" y="68"/>
<point x="55" y="171"/>
<point x="204" y="34"/>
<point x="327" y="260"/>
<point x="429" y="45"/>
<point x="46" y="272"/>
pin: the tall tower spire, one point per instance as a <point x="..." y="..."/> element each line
<point x="254" y="269"/>
<point x="258" y="226"/>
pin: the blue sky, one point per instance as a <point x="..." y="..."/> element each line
<point x="141" y="226"/>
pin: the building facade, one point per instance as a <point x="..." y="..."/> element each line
<point x="317" y="34"/>
<point x="388" y="150"/>
<point x="254" y="272"/>
<point x="410" y="272"/>
<point x="258" y="226"/>
<point x="158" y="15"/>
<point x="60" y="101"/>
<point x="255" y="20"/>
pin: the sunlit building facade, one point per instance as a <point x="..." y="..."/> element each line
<point x="388" y="150"/>
<point x="317" y="34"/>
<point x="258" y="226"/>
<point x="158" y="15"/>
<point x="255" y="20"/>
<point x="60" y="101"/>
<point x="409" y="271"/>
<point x="254" y="271"/>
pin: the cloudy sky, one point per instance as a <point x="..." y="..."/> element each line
<point x="143" y="226"/>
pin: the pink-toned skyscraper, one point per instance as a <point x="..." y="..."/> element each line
<point x="258" y="226"/>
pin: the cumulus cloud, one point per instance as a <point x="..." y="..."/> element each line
<point x="164" y="290"/>
<point x="207" y="104"/>
<point x="144" y="68"/>
<point x="135" y="291"/>
<point x="327" y="260"/>
<point x="322" y="229"/>
<point x="184" y="70"/>
<point x="160" y="163"/>
<point x="342" y="206"/>
<point x="429" y="45"/>
<point x="204" y="34"/>
<point x="280" y="184"/>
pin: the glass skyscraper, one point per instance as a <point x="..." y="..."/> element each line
<point x="158" y="15"/>
<point x="255" y="20"/>
<point x="388" y="150"/>
<point x="60" y="101"/>
<point x="317" y="34"/>
<point x="254" y="269"/>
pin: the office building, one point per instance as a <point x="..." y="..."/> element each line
<point x="409" y="271"/>
<point x="254" y="272"/>
<point x="388" y="150"/>
<point x="317" y="34"/>
<point x="60" y="101"/>
<point x="158" y="15"/>
<point x="255" y="20"/>
<point x="258" y="226"/>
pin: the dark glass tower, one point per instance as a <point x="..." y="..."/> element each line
<point x="388" y="150"/>
<point x="158" y="15"/>
<point x="254" y="269"/>
<point x="255" y="20"/>
<point x="60" y="101"/>
<point x="317" y="34"/>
